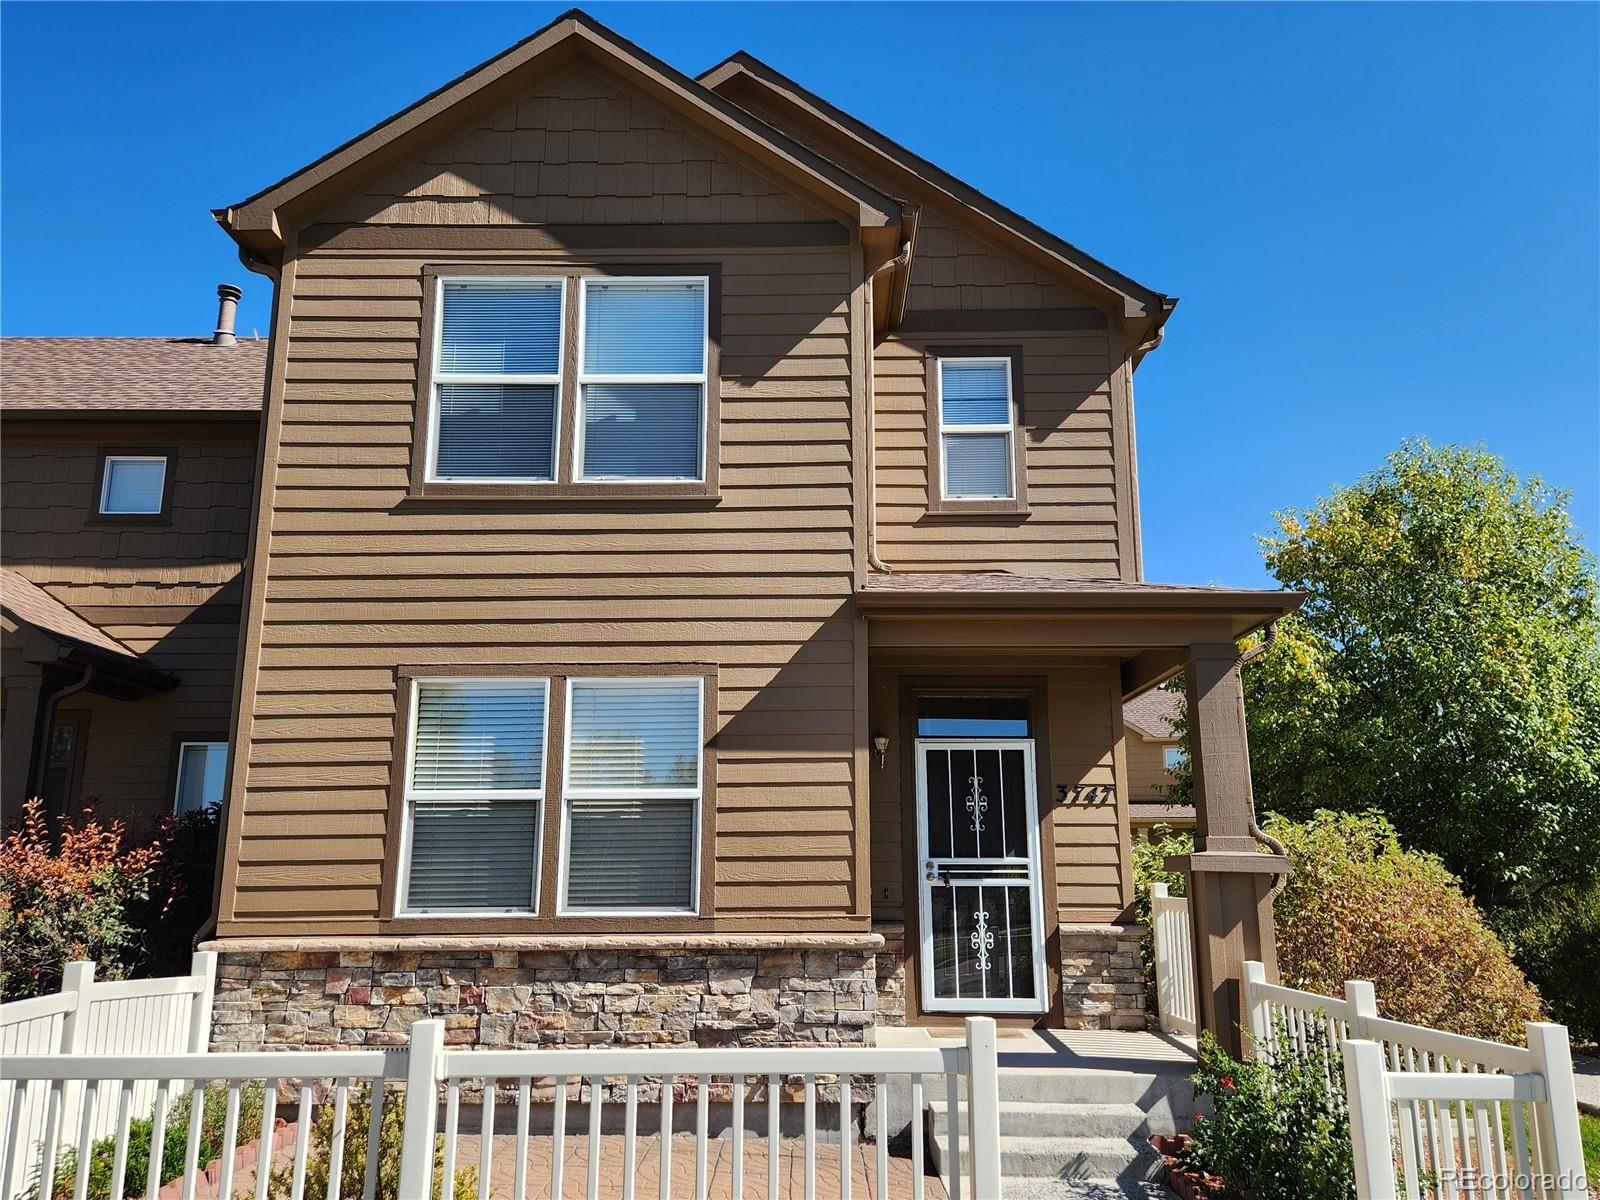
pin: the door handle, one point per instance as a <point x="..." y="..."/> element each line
<point x="932" y="872"/>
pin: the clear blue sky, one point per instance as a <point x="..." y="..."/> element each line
<point x="1383" y="220"/>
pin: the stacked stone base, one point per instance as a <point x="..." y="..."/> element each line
<point x="1102" y="977"/>
<point x="730" y="994"/>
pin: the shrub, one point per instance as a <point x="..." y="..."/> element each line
<point x="174" y="1144"/>
<point x="1278" y="1131"/>
<point x="181" y="892"/>
<point x="352" y="1175"/>
<point x="67" y="897"/>
<point x="1555" y="944"/>
<point x="1360" y="906"/>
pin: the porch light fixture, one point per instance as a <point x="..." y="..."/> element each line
<point x="880" y="746"/>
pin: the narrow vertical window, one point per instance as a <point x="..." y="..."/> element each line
<point x="133" y="485"/>
<point x="632" y="790"/>
<point x="473" y="793"/>
<point x="642" y="379"/>
<point x="202" y="776"/>
<point x="976" y="427"/>
<point x="496" y="379"/>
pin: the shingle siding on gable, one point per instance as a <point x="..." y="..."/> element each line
<point x="957" y="271"/>
<point x="581" y="149"/>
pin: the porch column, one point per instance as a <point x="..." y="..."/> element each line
<point x="1229" y="880"/>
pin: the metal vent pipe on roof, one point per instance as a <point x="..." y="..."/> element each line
<point x="227" y="309"/>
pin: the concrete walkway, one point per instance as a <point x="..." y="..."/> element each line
<point x="1586" y="1079"/>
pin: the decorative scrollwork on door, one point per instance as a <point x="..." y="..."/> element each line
<point x="977" y="805"/>
<point x="982" y="939"/>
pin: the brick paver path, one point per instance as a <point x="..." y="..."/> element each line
<point x="719" y="1169"/>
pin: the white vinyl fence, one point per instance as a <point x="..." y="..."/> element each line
<point x="109" y="1017"/>
<point x="1436" y="1115"/>
<point x="1173" y="940"/>
<point x="501" y="1147"/>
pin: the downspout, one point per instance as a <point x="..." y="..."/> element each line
<point x="873" y="561"/>
<point x="49" y="721"/>
<point x="1262" y="837"/>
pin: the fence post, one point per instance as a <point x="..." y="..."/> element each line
<point x="1255" y="1006"/>
<point x="203" y="970"/>
<point x="1162" y="954"/>
<point x="1561" y="1145"/>
<point x="1366" y="1090"/>
<point x="1362" y="1002"/>
<point x="422" y="1109"/>
<point x="983" y="1108"/>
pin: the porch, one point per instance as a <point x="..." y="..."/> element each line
<point x="1000" y="824"/>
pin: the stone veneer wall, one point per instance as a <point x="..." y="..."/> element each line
<point x="1102" y="976"/>
<point x="554" y="991"/>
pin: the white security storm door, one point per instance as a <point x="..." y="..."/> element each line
<point x="982" y="937"/>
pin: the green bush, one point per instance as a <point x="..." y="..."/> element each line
<point x="1361" y="906"/>
<point x="180" y="893"/>
<point x="1555" y="944"/>
<point x="1277" y="1131"/>
<point x="352" y="1175"/>
<point x="174" y="1144"/>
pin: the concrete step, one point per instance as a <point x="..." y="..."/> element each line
<point x="1082" y="1085"/>
<point x="1091" y="1158"/>
<point x="1021" y="1118"/>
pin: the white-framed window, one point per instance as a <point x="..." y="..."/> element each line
<point x="133" y="484"/>
<point x="202" y="776"/>
<point x="1172" y="757"/>
<point x="632" y="792"/>
<point x="642" y="378"/>
<point x="496" y="379"/>
<point x="474" y="791"/>
<point x="976" y="428"/>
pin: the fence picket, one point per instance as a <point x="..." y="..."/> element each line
<point x="369" y="1181"/>
<point x="269" y="1112"/>
<point x="558" y="1137"/>
<point x="774" y="1143"/>
<point x="485" y="1139"/>
<point x="665" y="1191"/>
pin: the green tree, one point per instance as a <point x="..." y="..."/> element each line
<point x="1444" y="670"/>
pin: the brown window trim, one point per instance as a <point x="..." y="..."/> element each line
<point x="164" y="517"/>
<point x="553" y="807"/>
<point x="564" y="487"/>
<point x="940" y="506"/>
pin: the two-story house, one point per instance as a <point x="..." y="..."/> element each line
<point x="127" y="475"/>
<point x="695" y="586"/>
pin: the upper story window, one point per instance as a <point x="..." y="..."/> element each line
<point x="976" y="429"/>
<point x="133" y="485"/>
<point x="642" y="379"/>
<point x="497" y="380"/>
<point x="1171" y="757"/>
<point x="570" y="384"/>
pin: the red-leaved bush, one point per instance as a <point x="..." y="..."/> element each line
<point x="68" y="894"/>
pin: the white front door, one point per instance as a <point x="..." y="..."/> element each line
<point x="978" y="850"/>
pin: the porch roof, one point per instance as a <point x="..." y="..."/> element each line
<point x="72" y="637"/>
<point x="1002" y="592"/>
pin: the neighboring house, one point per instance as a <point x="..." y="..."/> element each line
<point x="1154" y="754"/>
<point x="128" y="477"/>
<point x="695" y="585"/>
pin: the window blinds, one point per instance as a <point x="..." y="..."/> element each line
<point x="977" y="464"/>
<point x="632" y="782"/>
<point x="501" y="327"/>
<point x="974" y="393"/>
<point x="976" y="419"/>
<point x="641" y="430"/>
<point x="477" y="754"/>
<point x="496" y="432"/>
<point x="642" y="328"/>
<point x="133" y="485"/>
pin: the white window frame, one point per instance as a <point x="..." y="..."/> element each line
<point x="697" y="793"/>
<point x="177" y="781"/>
<point x="105" y="485"/>
<point x="702" y="377"/>
<point x="410" y="794"/>
<point x="949" y="431"/>
<point x="1176" y="752"/>
<point x="439" y="378"/>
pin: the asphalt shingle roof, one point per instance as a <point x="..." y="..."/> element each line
<point x="137" y="375"/>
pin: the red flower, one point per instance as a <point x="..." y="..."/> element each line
<point x="1227" y="1081"/>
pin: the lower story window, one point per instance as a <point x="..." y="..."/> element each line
<point x="474" y="794"/>
<point x="202" y="776"/>
<point x="632" y="794"/>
